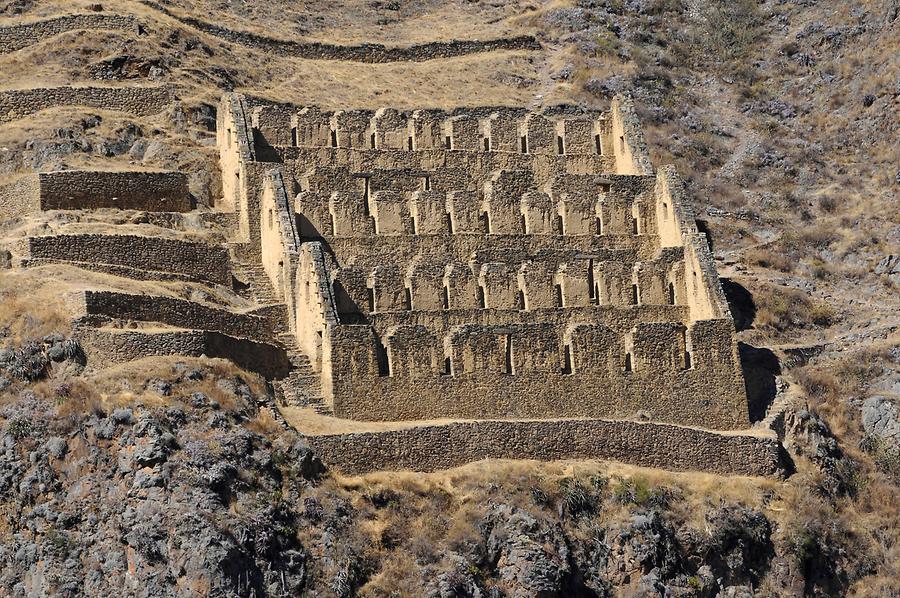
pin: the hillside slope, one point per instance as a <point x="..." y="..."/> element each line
<point x="175" y="478"/>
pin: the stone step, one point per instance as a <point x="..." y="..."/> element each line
<point x="289" y="392"/>
<point x="775" y="414"/>
<point x="259" y="287"/>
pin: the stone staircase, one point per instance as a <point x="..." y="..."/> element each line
<point x="775" y="414"/>
<point x="302" y="387"/>
<point x="260" y="287"/>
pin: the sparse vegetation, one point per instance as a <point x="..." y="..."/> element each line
<point x="782" y="118"/>
<point x="785" y="309"/>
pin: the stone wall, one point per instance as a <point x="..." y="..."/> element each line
<point x="234" y="140"/>
<point x="19" y="197"/>
<point x="434" y="447"/>
<point x="140" y="101"/>
<point x="132" y="190"/>
<point x="315" y="309"/>
<point x="676" y="227"/>
<point x="335" y="201"/>
<point x="21" y="36"/>
<point x="109" y="345"/>
<point x="199" y="261"/>
<point x="174" y="312"/>
<point x="502" y="130"/>
<point x="632" y="154"/>
<point x="371" y="53"/>
<point x="278" y="239"/>
<point x="535" y="370"/>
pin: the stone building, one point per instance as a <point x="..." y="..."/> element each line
<point x="488" y="264"/>
<point x="422" y="288"/>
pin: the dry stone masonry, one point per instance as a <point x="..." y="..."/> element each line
<point x="88" y="190"/>
<point x="450" y="285"/>
<point x="491" y="265"/>
<point x="140" y="101"/>
<point x="21" y="36"/>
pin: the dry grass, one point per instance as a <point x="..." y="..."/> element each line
<point x="782" y="309"/>
<point x="128" y="385"/>
<point x="28" y="315"/>
<point x="264" y="424"/>
<point x="351" y="22"/>
<point x="502" y="78"/>
<point x="767" y="258"/>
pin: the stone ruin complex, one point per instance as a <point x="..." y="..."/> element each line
<point x="432" y="287"/>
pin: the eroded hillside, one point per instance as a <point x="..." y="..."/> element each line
<point x="175" y="477"/>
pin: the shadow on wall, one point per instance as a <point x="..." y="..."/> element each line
<point x="703" y="227"/>
<point x="741" y="304"/>
<point x="265" y="151"/>
<point x="238" y="285"/>
<point x="760" y="366"/>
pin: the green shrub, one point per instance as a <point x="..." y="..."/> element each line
<point x="637" y="491"/>
<point x="580" y="499"/>
<point x="19" y="428"/>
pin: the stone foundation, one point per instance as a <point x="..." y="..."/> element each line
<point x="441" y="446"/>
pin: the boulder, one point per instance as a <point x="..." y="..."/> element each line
<point x="881" y="417"/>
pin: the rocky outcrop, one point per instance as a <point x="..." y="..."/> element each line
<point x="881" y="418"/>
<point x="530" y="557"/>
<point x="889" y="267"/>
<point x="195" y="490"/>
<point x="808" y="435"/>
<point x="138" y="498"/>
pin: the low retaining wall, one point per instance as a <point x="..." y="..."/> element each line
<point x="131" y="190"/>
<point x="110" y="346"/>
<point x="19" y="197"/>
<point x="199" y="261"/>
<point x="371" y="53"/>
<point x="175" y="312"/>
<point x="435" y="447"/>
<point x="17" y="37"/>
<point x="140" y="101"/>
